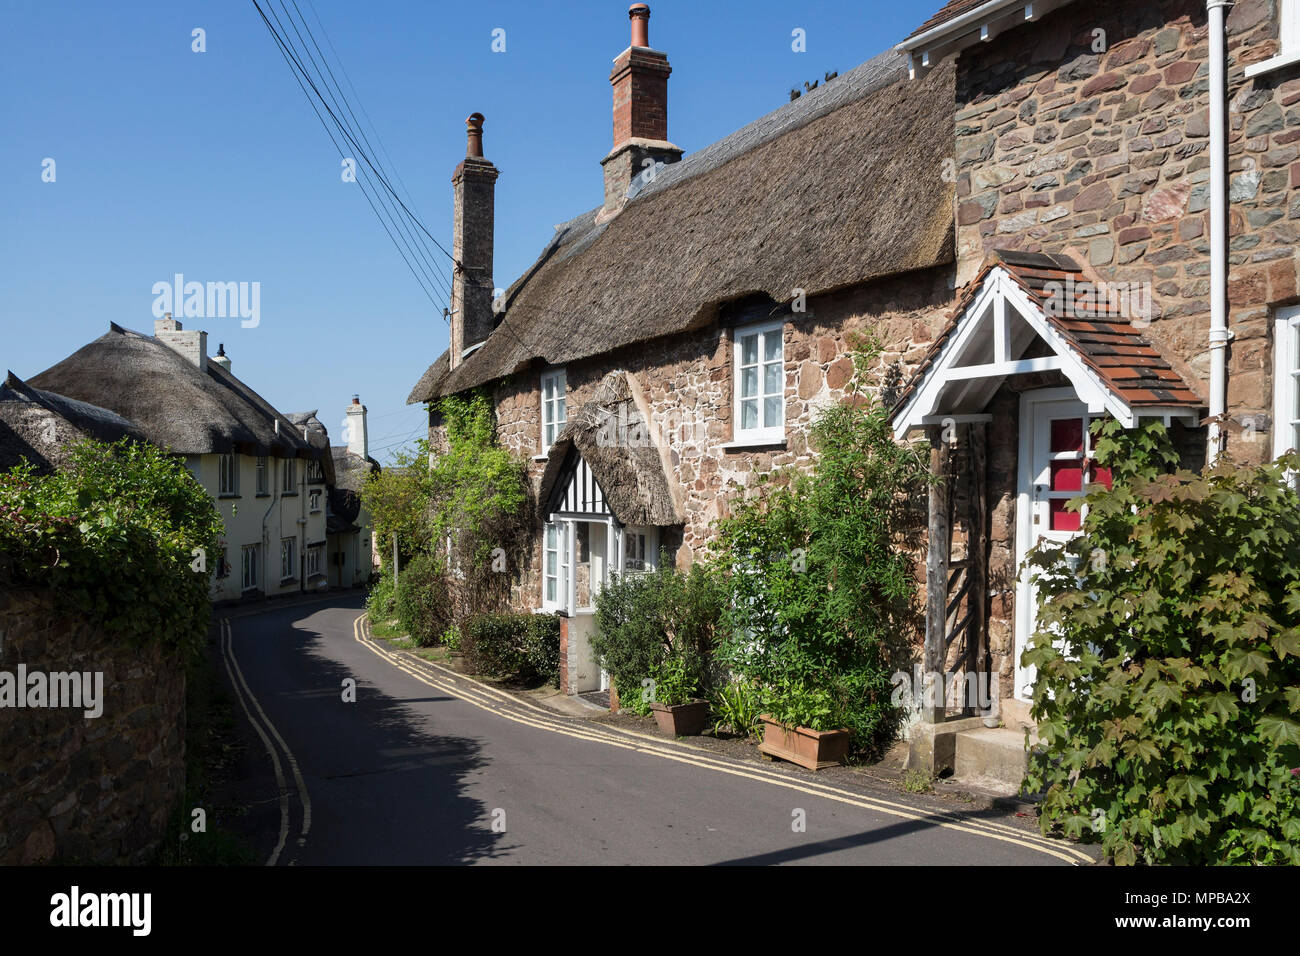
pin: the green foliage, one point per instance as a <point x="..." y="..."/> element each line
<point x="451" y="638"/>
<point x="660" y="625"/>
<point x="796" y="704"/>
<point x="421" y="600"/>
<point x="398" y="501"/>
<point x="821" y="575"/>
<point x="918" y="781"/>
<point x="380" y="600"/>
<point x="478" y="494"/>
<point x="521" y="646"/>
<point x="1168" y="662"/>
<point x="114" y="534"/>
<point x="736" y="707"/>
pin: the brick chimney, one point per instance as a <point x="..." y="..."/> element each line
<point x="192" y="345"/>
<point x="640" y="82"/>
<point x="474" y="189"/>
<point x="358" y="440"/>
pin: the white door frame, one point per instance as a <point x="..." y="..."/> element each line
<point x="1032" y="406"/>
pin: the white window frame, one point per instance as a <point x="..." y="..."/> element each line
<point x="288" y="559"/>
<point x="263" y="487"/>
<point x="314" y="498"/>
<point x="248" y="567"/>
<point x="315" y="472"/>
<point x="288" y="476"/>
<point x="313" y="560"/>
<point x="228" y="474"/>
<point x="1286" y="380"/>
<point x="646" y="541"/>
<point x="1288" y="40"/>
<point x="554" y="411"/>
<point x="559" y="552"/>
<point x="765" y="432"/>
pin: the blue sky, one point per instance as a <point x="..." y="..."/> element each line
<point x="213" y="164"/>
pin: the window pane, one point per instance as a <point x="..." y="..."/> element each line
<point x="1102" y="475"/>
<point x="749" y="350"/>
<point x="550" y="589"/>
<point x="559" y="410"/>
<point x="772" y="384"/>
<point x="548" y="388"/>
<point x="749" y="414"/>
<point x="1067" y="434"/>
<point x="772" y="411"/>
<point x="1067" y="476"/>
<point x="772" y="346"/>
<point x="748" y="382"/>
<point x="1063" y="520"/>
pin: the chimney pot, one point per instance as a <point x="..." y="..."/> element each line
<point x="474" y="135"/>
<point x="639" y="14"/>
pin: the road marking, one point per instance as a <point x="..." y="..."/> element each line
<point x="303" y="796"/>
<point x="226" y="655"/>
<point x="548" y="723"/>
<point x="772" y="774"/>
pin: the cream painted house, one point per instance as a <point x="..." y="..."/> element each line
<point x="268" y="479"/>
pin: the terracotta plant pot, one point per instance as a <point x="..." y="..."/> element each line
<point x="813" y="749"/>
<point x="682" y="720"/>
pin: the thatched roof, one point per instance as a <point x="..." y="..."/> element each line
<point x="350" y="471"/>
<point x="40" y="425"/>
<point x="177" y="406"/>
<point x="313" y="429"/>
<point x="630" y="464"/>
<point x="839" y="187"/>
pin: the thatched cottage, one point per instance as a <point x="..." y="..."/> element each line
<point x="1049" y="212"/>
<point x="266" y="475"/>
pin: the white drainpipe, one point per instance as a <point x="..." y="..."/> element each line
<point x="1219" y="334"/>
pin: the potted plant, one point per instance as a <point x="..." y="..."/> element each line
<point x="677" y="709"/>
<point x="800" y="727"/>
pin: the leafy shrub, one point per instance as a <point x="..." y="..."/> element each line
<point x="380" y="599"/>
<point x="820" y="573"/>
<point x="798" y="705"/>
<point x="1168" y="662"/>
<point x="421" y="600"/>
<point x="114" y="533"/>
<point x="523" y="646"/>
<point x="660" y="625"/>
<point x="736" y="707"/>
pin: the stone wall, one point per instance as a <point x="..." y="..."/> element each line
<point x="1089" y="132"/>
<point x="78" y="789"/>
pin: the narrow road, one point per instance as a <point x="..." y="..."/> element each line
<point x="427" y="767"/>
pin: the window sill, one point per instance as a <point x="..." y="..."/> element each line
<point x="1281" y="61"/>
<point x="541" y="458"/>
<point x="262" y="494"/>
<point x="758" y="441"/>
<point x="288" y="494"/>
<point x="284" y="581"/>
<point x="229" y="494"/>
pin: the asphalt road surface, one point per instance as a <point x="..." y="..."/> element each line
<point x="427" y="767"/>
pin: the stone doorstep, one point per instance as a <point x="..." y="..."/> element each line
<point x="991" y="758"/>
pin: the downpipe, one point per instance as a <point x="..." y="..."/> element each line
<point x="1219" y="334"/>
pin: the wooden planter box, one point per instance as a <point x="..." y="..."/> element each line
<point x="814" y="749"/>
<point x="682" y="720"/>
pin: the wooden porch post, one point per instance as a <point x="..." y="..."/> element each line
<point x="936" y="587"/>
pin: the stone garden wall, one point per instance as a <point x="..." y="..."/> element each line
<point x="87" y="790"/>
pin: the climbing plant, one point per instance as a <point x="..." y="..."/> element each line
<point x="1168" y="661"/>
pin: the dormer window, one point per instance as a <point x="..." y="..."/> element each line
<point x="553" y="412"/>
<point x="759" y="383"/>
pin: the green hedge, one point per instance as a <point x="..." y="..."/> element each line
<point x="422" y="600"/>
<point x="523" y="646"/>
<point x="123" y="533"/>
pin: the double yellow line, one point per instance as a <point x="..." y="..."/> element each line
<point x="266" y="731"/>
<point x="524" y="712"/>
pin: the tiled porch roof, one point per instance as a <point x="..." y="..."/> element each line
<point x="1096" y="329"/>
<point x="949" y="11"/>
